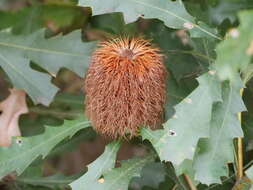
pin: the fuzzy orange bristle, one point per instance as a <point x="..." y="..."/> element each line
<point x="125" y="87"/>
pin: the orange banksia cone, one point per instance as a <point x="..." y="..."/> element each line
<point x="125" y="87"/>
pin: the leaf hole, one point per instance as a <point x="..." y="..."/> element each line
<point x="172" y="133"/>
<point x="19" y="141"/>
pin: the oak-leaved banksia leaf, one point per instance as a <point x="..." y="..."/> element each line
<point x="125" y="87"/>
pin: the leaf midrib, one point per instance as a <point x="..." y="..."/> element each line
<point x="45" y="181"/>
<point x="129" y="169"/>
<point x="50" y="51"/>
<point x="11" y="65"/>
<point x="223" y="123"/>
<point x="180" y="18"/>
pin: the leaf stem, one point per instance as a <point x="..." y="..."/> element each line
<point x="194" y="53"/>
<point x="189" y="182"/>
<point x="240" y="148"/>
<point x="57" y="113"/>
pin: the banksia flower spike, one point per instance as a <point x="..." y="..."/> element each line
<point x="125" y="87"/>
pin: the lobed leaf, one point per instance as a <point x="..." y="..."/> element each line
<point x="210" y="162"/>
<point x="24" y="150"/>
<point x="96" y="169"/>
<point x="178" y="140"/>
<point x="34" y="176"/>
<point x="234" y="53"/>
<point x="101" y="176"/>
<point x="119" y="178"/>
<point x="16" y="52"/>
<point x="172" y="13"/>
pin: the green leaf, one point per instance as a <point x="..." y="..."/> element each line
<point x="173" y="176"/>
<point x="195" y="33"/>
<point x="97" y="168"/>
<point x="176" y="92"/>
<point x="51" y="54"/>
<point x="147" y="177"/>
<point x="227" y="9"/>
<point x="113" y="179"/>
<point x="233" y="53"/>
<point x="102" y="176"/>
<point x="204" y="50"/>
<point x="219" y="13"/>
<point x="186" y="168"/>
<point x="180" y="60"/>
<point x="119" y="178"/>
<point x="172" y="13"/>
<point x="34" y="176"/>
<point x="103" y="22"/>
<point x="7" y="19"/>
<point x="54" y="181"/>
<point x="179" y="138"/>
<point x="57" y="17"/>
<point x="38" y="85"/>
<point x="24" y="150"/>
<point x="210" y="162"/>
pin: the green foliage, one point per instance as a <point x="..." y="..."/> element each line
<point x="52" y="54"/>
<point x="119" y="178"/>
<point x="217" y="12"/>
<point x="147" y="177"/>
<point x="56" y="16"/>
<point x="195" y="110"/>
<point x="45" y="48"/>
<point x="214" y="153"/>
<point x="24" y="150"/>
<point x="173" y="13"/>
<point x="95" y="170"/>
<point x="34" y="176"/>
<point x="233" y="54"/>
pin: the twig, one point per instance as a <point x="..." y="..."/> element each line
<point x="175" y="187"/>
<point x="240" y="148"/>
<point x="194" y="53"/>
<point x="189" y="182"/>
<point x="56" y="113"/>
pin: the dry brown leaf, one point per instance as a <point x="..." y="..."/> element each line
<point x="11" y="108"/>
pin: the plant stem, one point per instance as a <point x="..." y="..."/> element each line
<point x="240" y="148"/>
<point x="189" y="182"/>
<point x="175" y="187"/>
<point x="57" y="113"/>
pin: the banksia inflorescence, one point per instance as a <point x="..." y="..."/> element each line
<point x="125" y="87"/>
